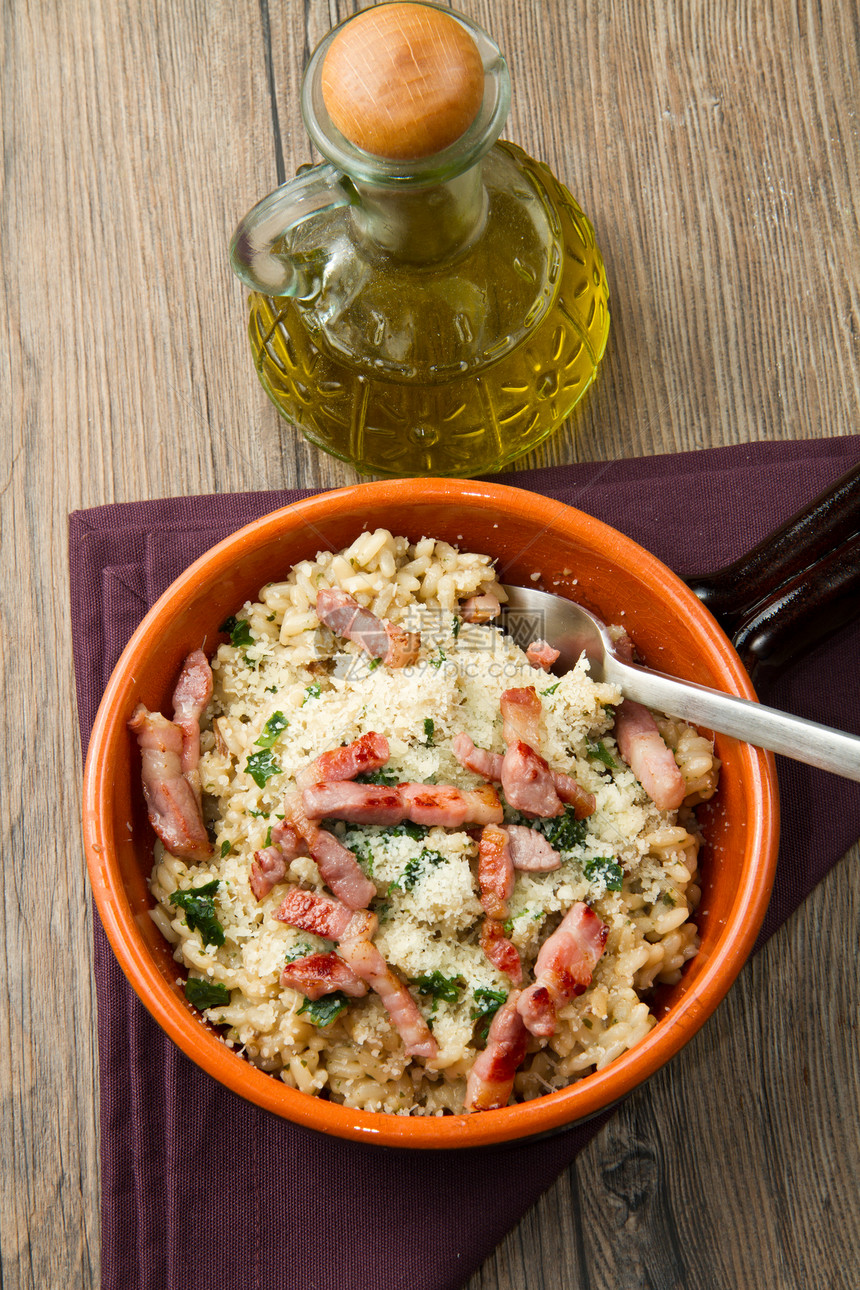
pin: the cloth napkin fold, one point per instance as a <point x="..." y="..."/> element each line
<point x="201" y="1189"/>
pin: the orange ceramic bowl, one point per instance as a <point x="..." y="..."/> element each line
<point x="575" y="555"/>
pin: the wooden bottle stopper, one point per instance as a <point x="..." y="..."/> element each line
<point x="403" y="81"/>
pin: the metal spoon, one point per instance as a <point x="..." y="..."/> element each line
<point x="573" y="631"/>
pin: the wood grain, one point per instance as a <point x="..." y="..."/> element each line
<point x="714" y="145"/>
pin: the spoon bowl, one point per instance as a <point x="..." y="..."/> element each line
<point x="530" y="614"/>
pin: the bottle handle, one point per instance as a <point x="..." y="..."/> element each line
<point x="259" y="251"/>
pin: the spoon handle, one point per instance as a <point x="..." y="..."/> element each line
<point x="794" y="737"/>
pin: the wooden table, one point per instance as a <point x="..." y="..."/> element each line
<point x="715" y="147"/>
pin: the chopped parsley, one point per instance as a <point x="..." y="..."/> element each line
<point x="272" y="730"/>
<point x="262" y="766"/>
<point x="410" y="830"/>
<point x="437" y="662"/>
<point x="487" y="1004"/>
<point x="439" y="986"/>
<point x="363" y="855"/>
<point x="456" y="624"/>
<point x="601" y="752"/>
<point x="322" y="1012"/>
<point x="312" y="691"/>
<point x="206" y="994"/>
<point x="239" y="631"/>
<point x="225" y="848"/>
<point x="415" y="868"/>
<point x="551" y="689"/>
<point x="564" y="832"/>
<point x="298" y="951"/>
<point x="382" y="776"/>
<point x="668" y="899"/>
<point x="374" y="664"/>
<point x="429" y="731"/>
<point x="602" y="869"/>
<point x="198" y="906"/>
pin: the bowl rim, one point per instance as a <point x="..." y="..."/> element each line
<point x="550" y="1113"/>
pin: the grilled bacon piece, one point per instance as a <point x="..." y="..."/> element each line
<point x="563" y="968"/>
<point x="368" y="752"/>
<point x="172" y="805"/>
<point x="347" y="618"/>
<point x="319" y="974"/>
<point x="491" y="1079"/>
<point x="644" y="749"/>
<point x="422" y="803"/>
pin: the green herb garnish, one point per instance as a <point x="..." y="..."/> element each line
<point x="272" y="730"/>
<point x="322" y="1012"/>
<point x="439" y="986"/>
<point x="297" y="952"/>
<point x="408" y="829"/>
<point x="312" y="691"/>
<point x="262" y="766"/>
<point x="455" y="626"/>
<point x="601" y="752"/>
<point x="198" y="906"/>
<point x="206" y="994"/>
<point x="429" y="731"/>
<point x="487" y="1004"/>
<point x="225" y="848"/>
<point x="437" y="662"/>
<point x="414" y="869"/>
<point x="564" y="832"/>
<point x="239" y="631"/>
<point x="381" y="776"/>
<point x="601" y="868"/>
<point x="552" y="688"/>
<point x="374" y="664"/>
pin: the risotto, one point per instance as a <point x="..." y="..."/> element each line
<point x="285" y="690"/>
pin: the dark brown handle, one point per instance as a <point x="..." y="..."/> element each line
<point x="804" y="611"/>
<point x="833" y="517"/>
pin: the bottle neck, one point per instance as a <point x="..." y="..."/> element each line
<point x="425" y="224"/>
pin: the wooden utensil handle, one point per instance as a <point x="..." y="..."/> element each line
<point x="732" y="593"/>
<point x="802" y="613"/>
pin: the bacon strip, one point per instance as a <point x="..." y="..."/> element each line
<point x="489" y="765"/>
<point x="491" y="1079"/>
<point x="480" y="609"/>
<point x="521" y="713"/>
<point x="527" y="782"/>
<point x="530" y="850"/>
<point x="539" y="654"/>
<point x="338" y="867"/>
<point x="347" y="618"/>
<point x="368" y="964"/>
<point x="172" y="806"/>
<point x="451" y="807"/>
<point x="427" y="804"/>
<point x="319" y="974"/>
<point x="477" y="760"/>
<point x="648" y="756"/>
<point x="495" y="871"/>
<point x="501" y="951"/>
<point x="270" y="865"/>
<point x="368" y="752"/>
<point x="190" y="697"/>
<point x="643" y="747"/>
<point x="325" y="917"/>
<point x="563" y="969"/>
<point x="357" y="803"/>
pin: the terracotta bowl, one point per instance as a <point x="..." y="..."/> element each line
<point x="591" y="563"/>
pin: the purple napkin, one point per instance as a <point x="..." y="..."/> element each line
<point x="201" y="1189"/>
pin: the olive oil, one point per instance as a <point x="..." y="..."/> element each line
<point x="455" y="367"/>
